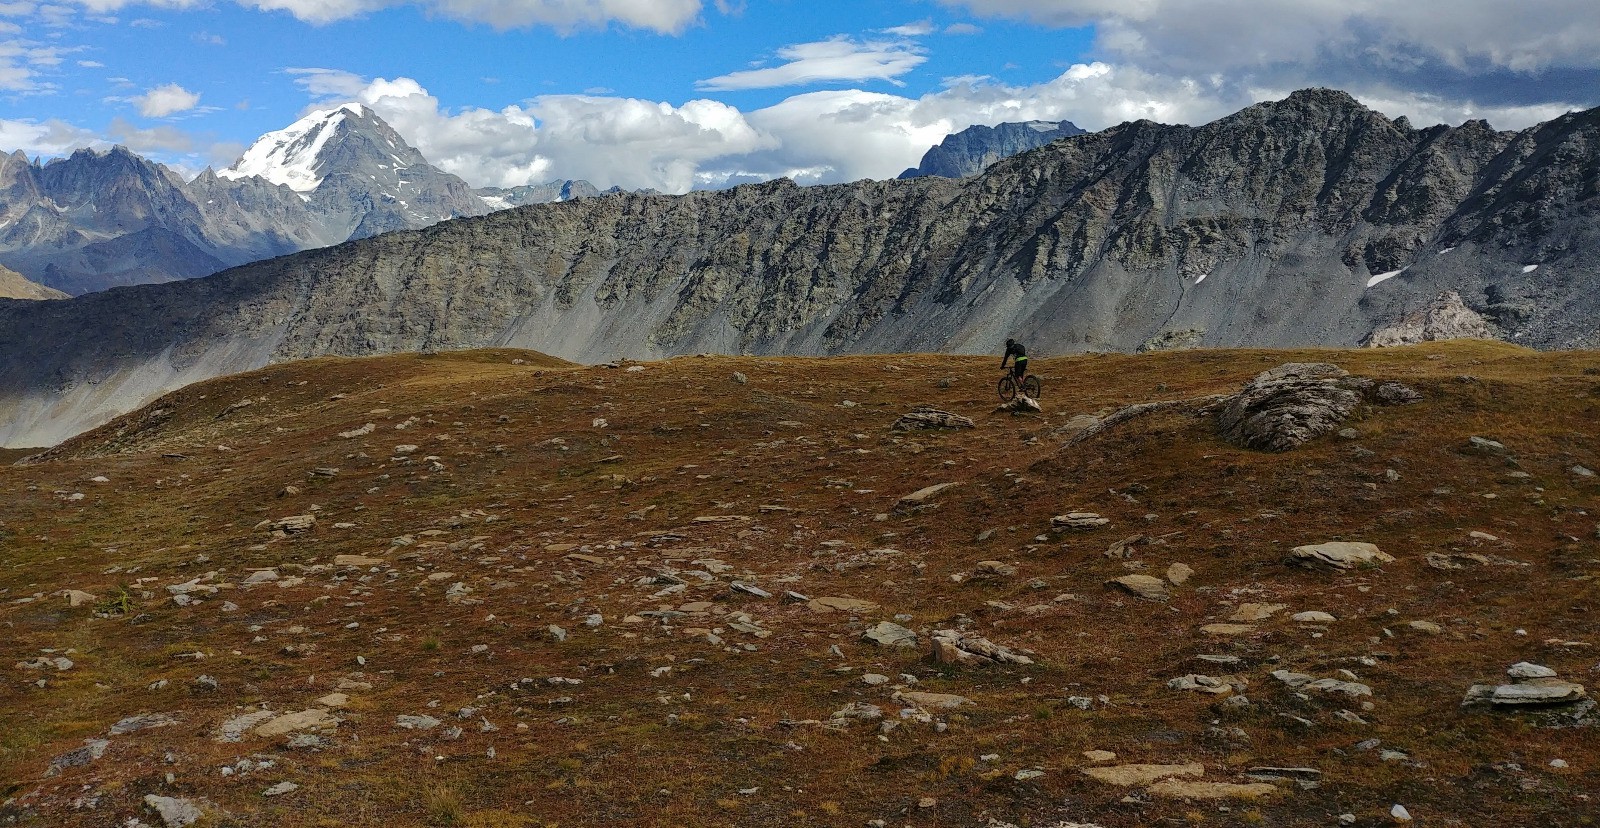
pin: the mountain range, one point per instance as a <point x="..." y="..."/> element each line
<point x="1308" y="221"/>
<point x="99" y="219"/>
<point x="973" y="149"/>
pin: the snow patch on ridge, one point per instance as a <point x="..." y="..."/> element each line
<point x="1384" y="277"/>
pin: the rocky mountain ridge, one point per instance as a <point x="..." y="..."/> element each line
<point x="973" y="149"/>
<point x="1308" y="221"/>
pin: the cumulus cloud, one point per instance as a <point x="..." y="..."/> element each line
<point x="1510" y="53"/>
<point x="166" y="100"/>
<point x="48" y="138"/>
<point x="836" y="59"/>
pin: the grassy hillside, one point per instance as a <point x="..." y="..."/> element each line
<point x="547" y="581"/>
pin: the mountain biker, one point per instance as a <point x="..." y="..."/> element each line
<point x="1020" y="367"/>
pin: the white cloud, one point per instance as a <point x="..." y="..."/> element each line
<point x="835" y="59"/>
<point x="921" y="28"/>
<point x="50" y="138"/>
<point x="1467" y="35"/>
<point x="666" y="16"/>
<point x="166" y="100"/>
<point x="814" y="138"/>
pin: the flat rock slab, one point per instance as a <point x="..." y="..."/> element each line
<point x="1256" y="612"/>
<point x="1142" y="586"/>
<point x="145" y="721"/>
<point x="922" y="496"/>
<point x="890" y="634"/>
<point x="854" y="605"/>
<point x="174" y="812"/>
<point x="938" y="701"/>
<point x="315" y="719"/>
<point x="1189" y="789"/>
<point x="1531" y="692"/>
<point x="1341" y="554"/>
<point x="234" y="729"/>
<point x="1131" y="776"/>
<point x="1313" y="617"/>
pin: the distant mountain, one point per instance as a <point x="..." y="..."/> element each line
<point x="100" y="219"/>
<point x="14" y="285"/>
<point x="548" y="193"/>
<point x="973" y="149"/>
<point x="357" y="175"/>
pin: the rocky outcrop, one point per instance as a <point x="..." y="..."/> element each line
<point x="1287" y="406"/>
<point x="1447" y="317"/>
<point x="1261" y="229"/>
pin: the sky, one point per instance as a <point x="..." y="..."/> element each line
<point x="685" y="94"/>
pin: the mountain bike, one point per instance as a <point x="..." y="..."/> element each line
<point x="1008" y="387"/>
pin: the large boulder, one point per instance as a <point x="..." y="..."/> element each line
<point x="1287" y="406"/>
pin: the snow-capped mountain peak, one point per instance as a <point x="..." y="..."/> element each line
<point x="295" y="155"/>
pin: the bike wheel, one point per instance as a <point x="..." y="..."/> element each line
<point x="1030" y="387"/>
<point x="1007" y="388"/>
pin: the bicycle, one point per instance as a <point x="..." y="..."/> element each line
<point x="1008" y="387"/>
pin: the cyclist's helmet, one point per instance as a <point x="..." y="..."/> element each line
<point x="1010" y="342"/>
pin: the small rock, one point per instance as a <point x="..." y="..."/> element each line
<point x="1099" y="755"/>
<point x="1313" y="617"/>
<point x="874" y="679"/>
<point x="1256" y="612"/>
<point x="1341" y="554"/>
<point x="890" y="634"/>
<point x="416" y="722"/>
<point x="955" y="647"/>
<point x="1078" y="520"/>
<point x="1427" y="627"/>
<point x="175" y="813"/>
<point x="922" y="496"/>
<point x="1580" y="471"/>
<point x="92" y="749"/>
<point x="1483" y="445"/>
<point x="1399" y="813"/>
<point x="994" y="569"/>
<point x="1527" y="670"/>
<point x="78" y="598"/>
<point x="1179" y="573"/>
<point x="280" y="789"/>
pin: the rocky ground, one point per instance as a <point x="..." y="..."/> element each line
<point x="491" y="589"/>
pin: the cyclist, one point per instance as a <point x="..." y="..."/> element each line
<point x="1020" y="367"/>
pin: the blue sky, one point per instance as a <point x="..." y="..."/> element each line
<point x="687" y="93"/>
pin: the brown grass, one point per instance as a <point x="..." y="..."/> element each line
<point x="521" y="465"/>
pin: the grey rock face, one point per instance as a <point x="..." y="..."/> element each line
<point x="973" y="149"/>
<point x="1447" y="317"/>
<point x="1099" y="242"/>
